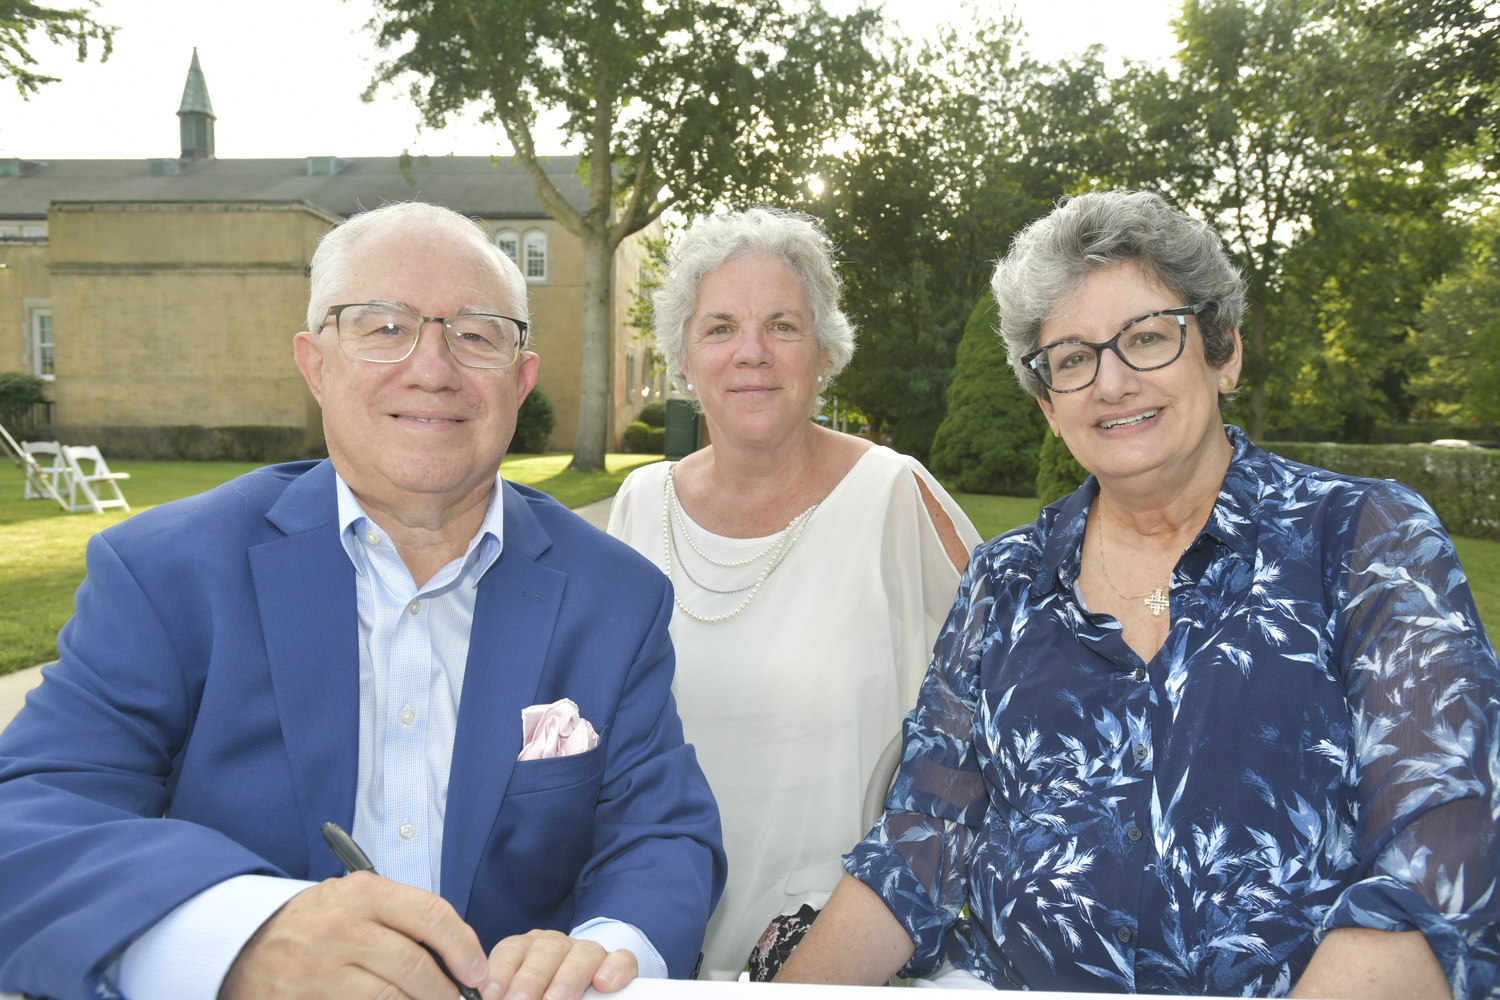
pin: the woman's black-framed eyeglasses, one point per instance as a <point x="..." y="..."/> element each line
<point x="1145" y="344"/>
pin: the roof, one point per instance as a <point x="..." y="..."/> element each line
<point x="195" y="91"/>
<point x="470" y="185"/>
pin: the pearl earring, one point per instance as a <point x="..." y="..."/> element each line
<point x="690" y="387"/>
<point x="820" y="378"/>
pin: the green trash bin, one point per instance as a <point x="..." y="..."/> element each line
<point x="682" y="427"/>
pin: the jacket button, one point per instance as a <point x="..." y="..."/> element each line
<point x="1124" y="935"/>
<point x="1140" y="673"/>
<point x="1139" y="752"/>
<point x="1134" y="833"/>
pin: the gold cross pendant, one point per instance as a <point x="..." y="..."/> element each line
<point x="1157" y="602"/>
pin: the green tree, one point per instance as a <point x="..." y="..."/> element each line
<point x="960" y="144"/>
<point x="679" y="103"/>
<point x="1058" y="472"/>
<point x="19" y="18"/>
<point x="990" y="439"/>
<point x="1458" y="345"/>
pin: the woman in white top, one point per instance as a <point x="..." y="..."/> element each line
<point x="812" y="572"/>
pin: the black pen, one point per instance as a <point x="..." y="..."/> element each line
<point x="353" y="859"/>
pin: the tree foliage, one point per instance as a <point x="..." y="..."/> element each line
<point x="678" y="103"/>
<point x="1058" y="472"/>
<point x="76" y="25"/>
<point x="991" y="436"/>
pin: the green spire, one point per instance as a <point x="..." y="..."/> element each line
<point x="195" y="93"/>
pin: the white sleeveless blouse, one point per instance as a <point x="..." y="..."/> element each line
<point x="790" y="704"/>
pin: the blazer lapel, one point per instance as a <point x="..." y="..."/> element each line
<point x="304" y="586"/>
<point x="515" y="611"/>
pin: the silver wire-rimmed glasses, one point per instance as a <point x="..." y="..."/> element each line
<point x="1145" y="343"/>
<point x="386" y="333"/>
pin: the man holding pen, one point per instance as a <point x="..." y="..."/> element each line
<point x="468" y="678"/>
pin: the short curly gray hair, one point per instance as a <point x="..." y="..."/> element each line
<point x="1052" y="257"/>
<point x="712" y="242"/>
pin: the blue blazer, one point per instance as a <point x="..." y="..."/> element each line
<point x="203" y="722"/>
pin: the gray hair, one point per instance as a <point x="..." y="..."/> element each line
<point x="330" y="262"/>
<point x="1052" y="257"/>
<point x="712" y="242"/>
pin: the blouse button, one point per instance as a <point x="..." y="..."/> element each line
<point x="1140" y="673"/>
<point x="1124" y="935"/>
<point x="1134" y="833"/>
<point x="1139" y="752"/>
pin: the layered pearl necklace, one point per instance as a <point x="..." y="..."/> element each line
<point x="671" y="511"/>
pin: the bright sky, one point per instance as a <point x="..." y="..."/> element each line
<point x="285" y="77"/>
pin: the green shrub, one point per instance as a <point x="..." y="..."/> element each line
<point x="636" y="438"/>
<point x="654" y="414"/>
<point x="1058" y="472"/>
<point x="534" y="422"/>
<point x="1461" y="485"/>
<point x="990" y="439"/>
<point x="18" y="391"/>
<point x="656" y="441"/>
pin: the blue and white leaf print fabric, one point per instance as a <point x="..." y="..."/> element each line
<point x="1315" y="746"/>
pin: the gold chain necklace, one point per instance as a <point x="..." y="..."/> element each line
<point x="1157" y="601"/>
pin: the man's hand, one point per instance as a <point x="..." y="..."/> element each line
<point x="549" y="965"/>
<point x="357" y="937"/>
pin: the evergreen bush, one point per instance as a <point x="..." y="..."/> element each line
<point x="18" y="392"/>
<point x="1058" y="472"/>
<point x="990" y="439"/>
<point x="636" y="438"/>
<point x="654" y="414"/>
<point x="656" y="441"/>
<point x="534" y="422"/>
<point x="1461" y="484"/>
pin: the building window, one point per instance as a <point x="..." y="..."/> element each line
<point x="536" y="256"/>
<point x="509" y="242"/>
<point x="34" y="232"/>
<point x="41" y="343"/>
<point x="630" y="374"/>
<point x="10" y="232"/>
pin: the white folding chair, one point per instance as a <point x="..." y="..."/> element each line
<point x="81" y="481"/>
<point x="55" y="475"/>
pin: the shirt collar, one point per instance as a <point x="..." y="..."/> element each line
<point x="352" y="519"/>
<point x="1232" y="521"/>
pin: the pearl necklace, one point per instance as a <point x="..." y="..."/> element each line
<point x="777" y="550"/>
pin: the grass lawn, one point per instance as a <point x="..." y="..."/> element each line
<point x="41" y="548"/>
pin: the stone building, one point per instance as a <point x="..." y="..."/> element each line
<point x="159" y="297"/>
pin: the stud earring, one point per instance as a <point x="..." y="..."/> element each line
<point x="820" y="378"/>
<point x="1226" y="384"/>
<point x="690" y="387"/>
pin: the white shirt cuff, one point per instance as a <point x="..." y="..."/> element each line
<point x="187" y="953"/>
<point x="613" y="935"/>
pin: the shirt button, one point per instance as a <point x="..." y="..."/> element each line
<point x="1134" y="833"/>
<point x="408" y="716"/>
<point x="1140" y="673"/>
<point x="1124" y="935"/>
<point x="407" y="831"/>
<point x="414" y="607"/>
<point x="1140" y="751"/>
<point x="371" y="538"/>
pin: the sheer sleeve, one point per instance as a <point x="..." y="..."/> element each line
<point x="1423" y="688"/>
<point x="915" y="857"/>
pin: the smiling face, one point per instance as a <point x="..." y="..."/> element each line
<point x="1131" y="423"/>
<point x="750" y="352"/>
<point x="425" y="429"/>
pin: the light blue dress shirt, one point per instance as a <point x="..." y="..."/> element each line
<point x="413" y="648"/>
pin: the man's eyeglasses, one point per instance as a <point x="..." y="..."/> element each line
<point x="1149" y="342"/>
<point x="386" y="334"/>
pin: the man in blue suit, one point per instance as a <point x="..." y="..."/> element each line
<point x="354" y="640"/>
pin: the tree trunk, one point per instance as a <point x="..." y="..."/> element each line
<point x="593" y="380"/>
<point x="1259" y="364"/>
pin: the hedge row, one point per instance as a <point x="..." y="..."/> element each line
<point x="193" y="443"/>
<point x="1461" y="485"/>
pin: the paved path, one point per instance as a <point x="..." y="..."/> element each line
<point x="13" y="687"/>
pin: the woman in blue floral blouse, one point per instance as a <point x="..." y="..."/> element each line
<point x="1217" y="723"/>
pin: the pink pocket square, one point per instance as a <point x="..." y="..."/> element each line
<point x="555" y="730"/>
